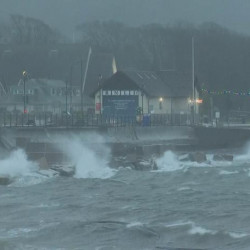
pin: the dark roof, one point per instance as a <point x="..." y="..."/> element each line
<point x="147" y="81"/>
<point x="150" y="82"/>
<point x="179" y="83"/>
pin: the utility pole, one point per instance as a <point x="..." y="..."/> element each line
<point x="81" y="92"/>
<point x="71" y="88"/>
<point x="24" y="92"/>
<point x="66" y="96"/>
<point x="193" y="81"/>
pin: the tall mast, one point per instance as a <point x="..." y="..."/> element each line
<point x="193" y="80"/>
<point x="194" y="101"/>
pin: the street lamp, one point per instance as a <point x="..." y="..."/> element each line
<point x="160" y="102"/>
<point x="66" y="97"/>
<point x="24" y="91"/>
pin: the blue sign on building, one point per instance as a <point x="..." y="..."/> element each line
<point x="120" y="105"/>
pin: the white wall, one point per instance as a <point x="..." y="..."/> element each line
<point x="177" y="105"/>
<point x="180" y="105"/>
<point x="156" y="108"/>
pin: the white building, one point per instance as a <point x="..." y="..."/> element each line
<point x="153" y="93"/>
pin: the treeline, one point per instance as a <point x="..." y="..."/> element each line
<point x="222" y="57"/>
<point x="22" y="30"/>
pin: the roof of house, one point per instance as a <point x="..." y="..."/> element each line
<point x="146" y="81"/>
<point x="149" y="82"/>
<point x="179" y="83"/>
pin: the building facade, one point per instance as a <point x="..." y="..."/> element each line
<point x="129" y="93"/>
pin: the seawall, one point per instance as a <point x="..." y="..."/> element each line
<point x="222" y="137"/>
<point x="39" y="142"/>
<point x="45" y="142"/>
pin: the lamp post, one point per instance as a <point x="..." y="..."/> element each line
<point x="81" y="89"/>
<point x="24" y="91"/>
<point x="160" y="103"/>
<point x="66" y="97"/>
<point x="142" y="94"/>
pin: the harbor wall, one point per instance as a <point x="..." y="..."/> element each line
<point x="133" y="141"/>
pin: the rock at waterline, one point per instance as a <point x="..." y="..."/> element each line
<point x="197" y="157"/>
<point x="223" y="157"/>
<point x="66" y="171"/>
<point x="4" y="180"/>
<point x="145" y="165"/>
<point x="43" y="164"/>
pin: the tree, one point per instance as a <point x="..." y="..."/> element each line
<point x="27" y="30"/>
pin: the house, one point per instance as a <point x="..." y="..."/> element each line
<point x="152" y="93"/>
<point x="185" y="96"/>
<point x="52" y="68"/>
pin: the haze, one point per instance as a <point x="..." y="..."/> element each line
<point x="66" y="14"/>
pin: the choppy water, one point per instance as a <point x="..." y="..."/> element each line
<point x="181" y="205"/>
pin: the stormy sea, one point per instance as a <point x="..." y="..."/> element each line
<point x="179" y="204"/>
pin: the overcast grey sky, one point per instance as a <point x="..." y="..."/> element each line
<point x="66" y="14"/>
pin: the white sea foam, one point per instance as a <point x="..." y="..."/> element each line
<point x="200" y="230"/>
<point x="237" y="235"/>
<point x="17" y="232"/>
<point x="194" y="229"/>
<point x="168" y="162"/>
<point x="171" y="162"/>
<point x="29" y="179"/>
<point x="183" y="189"/>
<point x="17" y="164"/>
<point x="134" y="224"/>
<point x="224" y="172"/>
<point x="244" y="157"/>
<point x="22" y="171"/>
<point x="89" y="163"/>
<point x="179" y="224"/>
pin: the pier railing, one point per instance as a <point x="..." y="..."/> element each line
<point x="91" y="120"/>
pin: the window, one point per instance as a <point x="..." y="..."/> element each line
<point x="78" y="92"/>
<point x="53" y="91"/>
<point x="151" y="108"/>
<point x="30" y="92"/>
